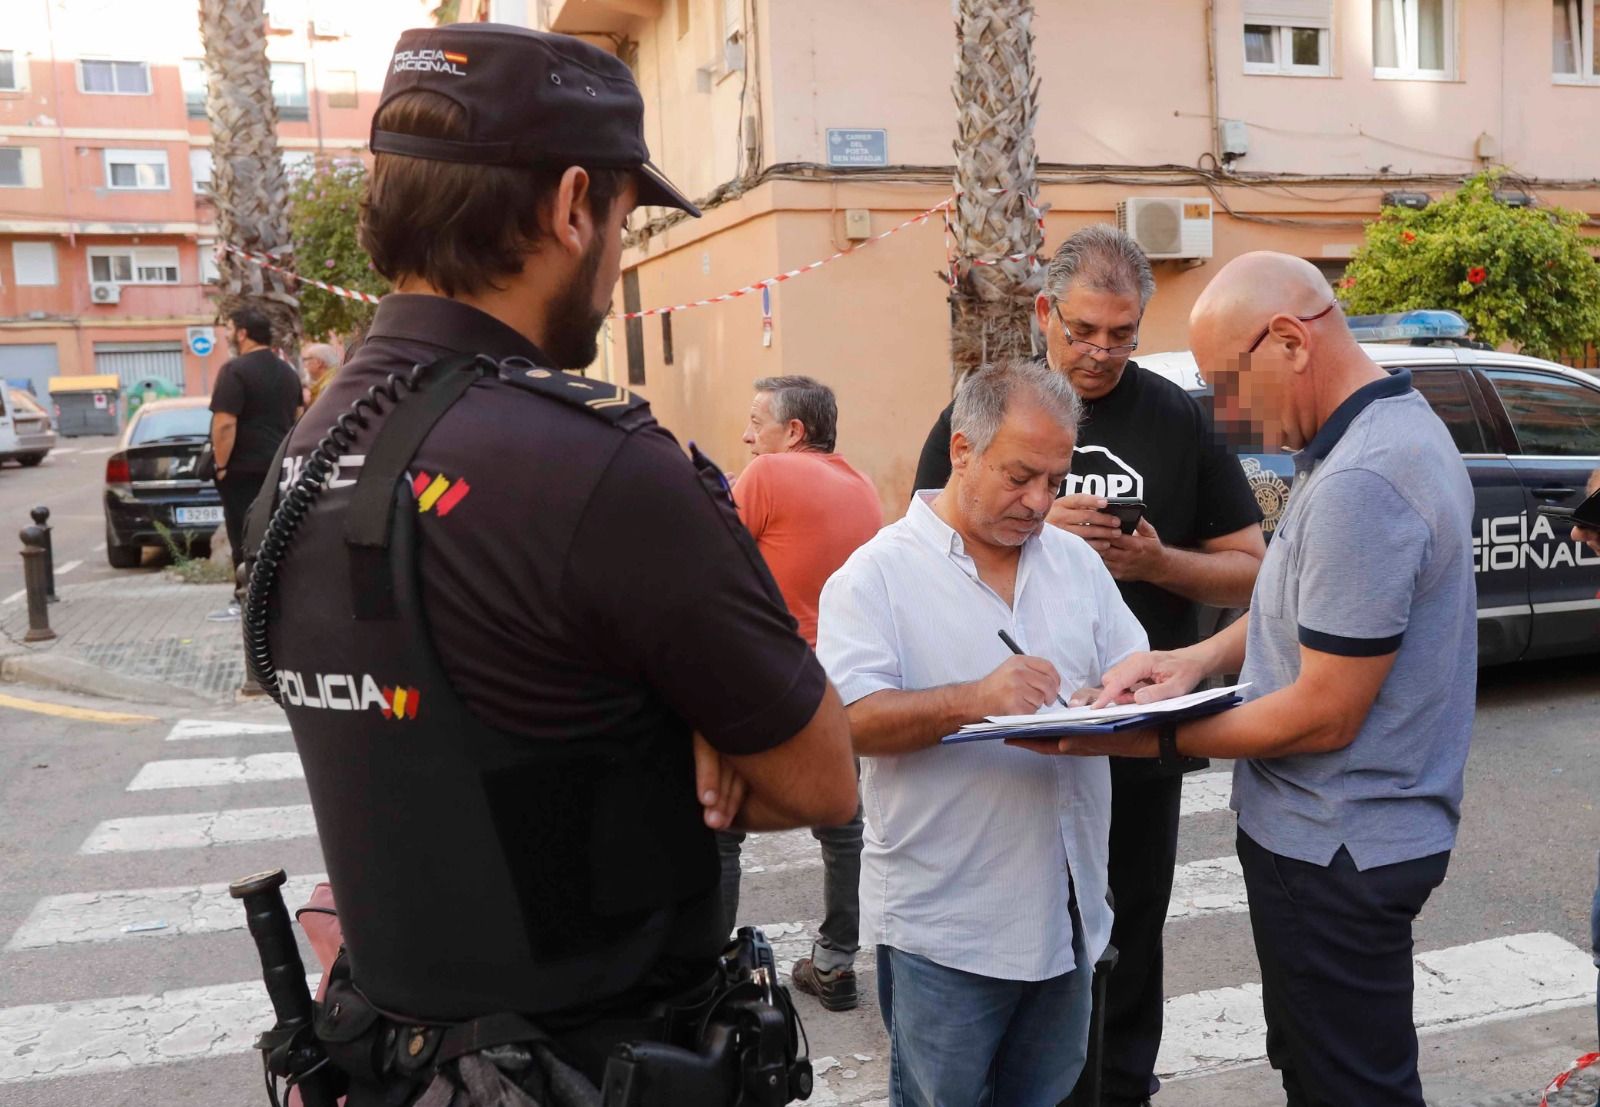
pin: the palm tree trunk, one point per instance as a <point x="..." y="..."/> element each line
<point x="996" y="96"/>
<point x="248" y="184"/>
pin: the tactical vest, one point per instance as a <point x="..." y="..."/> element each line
<point x="475" y="871"/>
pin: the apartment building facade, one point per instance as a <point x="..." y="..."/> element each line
<point x="1215" y="126"/>
<point x="107" y="234"/>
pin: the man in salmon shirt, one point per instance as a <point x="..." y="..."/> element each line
<point x="808" y="510"/>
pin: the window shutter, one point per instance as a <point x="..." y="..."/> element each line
<point x="1290" y="13"/>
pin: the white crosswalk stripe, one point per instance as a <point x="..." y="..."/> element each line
<point x="206" y="772"/>
<point x="122" y="1032"/>
<point x="189" y="729"/>
<point x="1207" y="1031"/>
<point x="1488" y="981"/>
<point x="201" y="829"/>
<point x="141" y="912"/>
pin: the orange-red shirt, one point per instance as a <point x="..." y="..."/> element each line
<point x="808" y="513"/>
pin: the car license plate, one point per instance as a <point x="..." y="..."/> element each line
<point x="199" y="514"/>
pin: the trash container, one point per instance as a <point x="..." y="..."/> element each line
<point x="145" y="389"/>
<point x="86" y="405"/>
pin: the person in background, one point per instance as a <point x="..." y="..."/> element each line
<point x="319" y="361"/>
<point x="808" y="510"/>
<point x="255" y="402"/>
<point x="1199" y="542"/>
<point x="983" y="872"/>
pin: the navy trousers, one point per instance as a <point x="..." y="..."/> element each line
<point x="1335" y="951"/>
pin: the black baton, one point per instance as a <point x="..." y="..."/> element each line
<point x="290" y="1043"/>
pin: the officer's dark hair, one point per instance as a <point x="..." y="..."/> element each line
<point x="459" y="226"/>
<point x="254" y="322"/>
<point x="810" y="401"/>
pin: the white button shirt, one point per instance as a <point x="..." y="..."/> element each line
<point x="967" y="849"/>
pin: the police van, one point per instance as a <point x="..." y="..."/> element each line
<point x="1529" y="433"/>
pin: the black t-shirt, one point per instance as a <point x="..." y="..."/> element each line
<point x="263" y="393"/>
<point x="1148" y="439"/>
<point x="578" y="580"/>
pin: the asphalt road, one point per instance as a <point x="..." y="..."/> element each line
<point x="134" y="998"/>
<point x="71" y="483"/>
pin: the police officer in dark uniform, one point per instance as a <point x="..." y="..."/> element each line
<point x="529" y="655"/>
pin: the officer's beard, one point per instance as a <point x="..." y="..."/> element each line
<point x="571" y="341"/>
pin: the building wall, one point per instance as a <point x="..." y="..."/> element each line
<point x="66" y="132"/>
<point x="1125" y="111"/>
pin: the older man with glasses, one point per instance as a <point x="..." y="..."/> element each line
<point x="1199" y="542"/>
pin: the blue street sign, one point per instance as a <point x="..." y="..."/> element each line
<point x="201" y="341"/>
<point x="858" y="147"/>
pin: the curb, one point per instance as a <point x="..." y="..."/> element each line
<point x="68" y="674"/>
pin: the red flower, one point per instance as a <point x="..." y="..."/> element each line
<point x="1476" y="274"/>
<point x="1408" y="237"/>
<point x="1348" y="282"/>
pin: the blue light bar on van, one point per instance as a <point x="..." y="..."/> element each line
<point x="1407" y="324"/>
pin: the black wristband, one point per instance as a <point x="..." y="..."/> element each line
<point x="1167" y="745"/>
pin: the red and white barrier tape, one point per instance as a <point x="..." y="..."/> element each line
<point x="1561" y="1081"/>
<point x="915" y="220"/>
<point x="267" y="263"/>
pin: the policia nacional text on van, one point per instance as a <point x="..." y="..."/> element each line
<point x="529" y="655"/>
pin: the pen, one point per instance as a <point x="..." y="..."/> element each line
<point x="1011" y="644"/>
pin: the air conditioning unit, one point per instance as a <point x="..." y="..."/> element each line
<point x="1167" y="227"/>
<point x="323" y="26"/>
<point x="105" y="292"/>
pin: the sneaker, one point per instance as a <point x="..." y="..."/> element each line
<point x="836" y="989"/>
<point x="226" y="614"/>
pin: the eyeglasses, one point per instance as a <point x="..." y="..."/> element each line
<point x="1110" y="351"/>
<point x="1262" y="337"/>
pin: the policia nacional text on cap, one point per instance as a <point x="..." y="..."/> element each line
<point x="530" y="99"/>
<point x="529" y="654"/>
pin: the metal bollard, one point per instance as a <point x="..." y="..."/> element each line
<point x="41" y="519"/>
<point x="33" y="577"/>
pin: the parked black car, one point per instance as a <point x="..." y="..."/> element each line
<point x="1529" y="433"/>
<point x="150" y="480"/>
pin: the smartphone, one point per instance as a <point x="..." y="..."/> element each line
<point x="1127" y="511"/>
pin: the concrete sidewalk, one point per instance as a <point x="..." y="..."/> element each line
<point x="142" y="636"/>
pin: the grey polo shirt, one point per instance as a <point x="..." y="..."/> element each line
<point x="1372" y="556"/>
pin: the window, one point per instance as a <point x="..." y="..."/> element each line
<point x="136" y="169"/>
<point x="140" y="265"/>
<point x="1413" y="38"/>
<point x="1553" y="417"/>
<point x="200" y="169"/>
<point x="126" y="78"/>
<point x="1446" y="393"/>
<point x="1288" y="37"/>
<point x="11" y="167"/>
<point x="207" y="248"/>
<point x="11" y="69"/>
<point x="732" y="35"/>
<point x="1574" y="46"/>
<point x="289" y="90"/>
<point x="34" y="263"/>
<point x="342" y="91"/>
<point x="193" y="73"/>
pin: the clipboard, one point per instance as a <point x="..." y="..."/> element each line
<point x="1077" y="730"/>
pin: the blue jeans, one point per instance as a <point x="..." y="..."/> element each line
<point x="957" y="1039"/>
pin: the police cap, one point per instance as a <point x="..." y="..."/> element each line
<point x="530" y="98"/>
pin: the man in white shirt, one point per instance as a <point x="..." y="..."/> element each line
<point x="983" y="875"/>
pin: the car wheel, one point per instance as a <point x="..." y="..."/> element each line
<point x="121" y="557"/>
<point x="30" y="460"/>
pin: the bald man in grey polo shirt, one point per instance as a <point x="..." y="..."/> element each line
<point x="1361" y="647"/>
